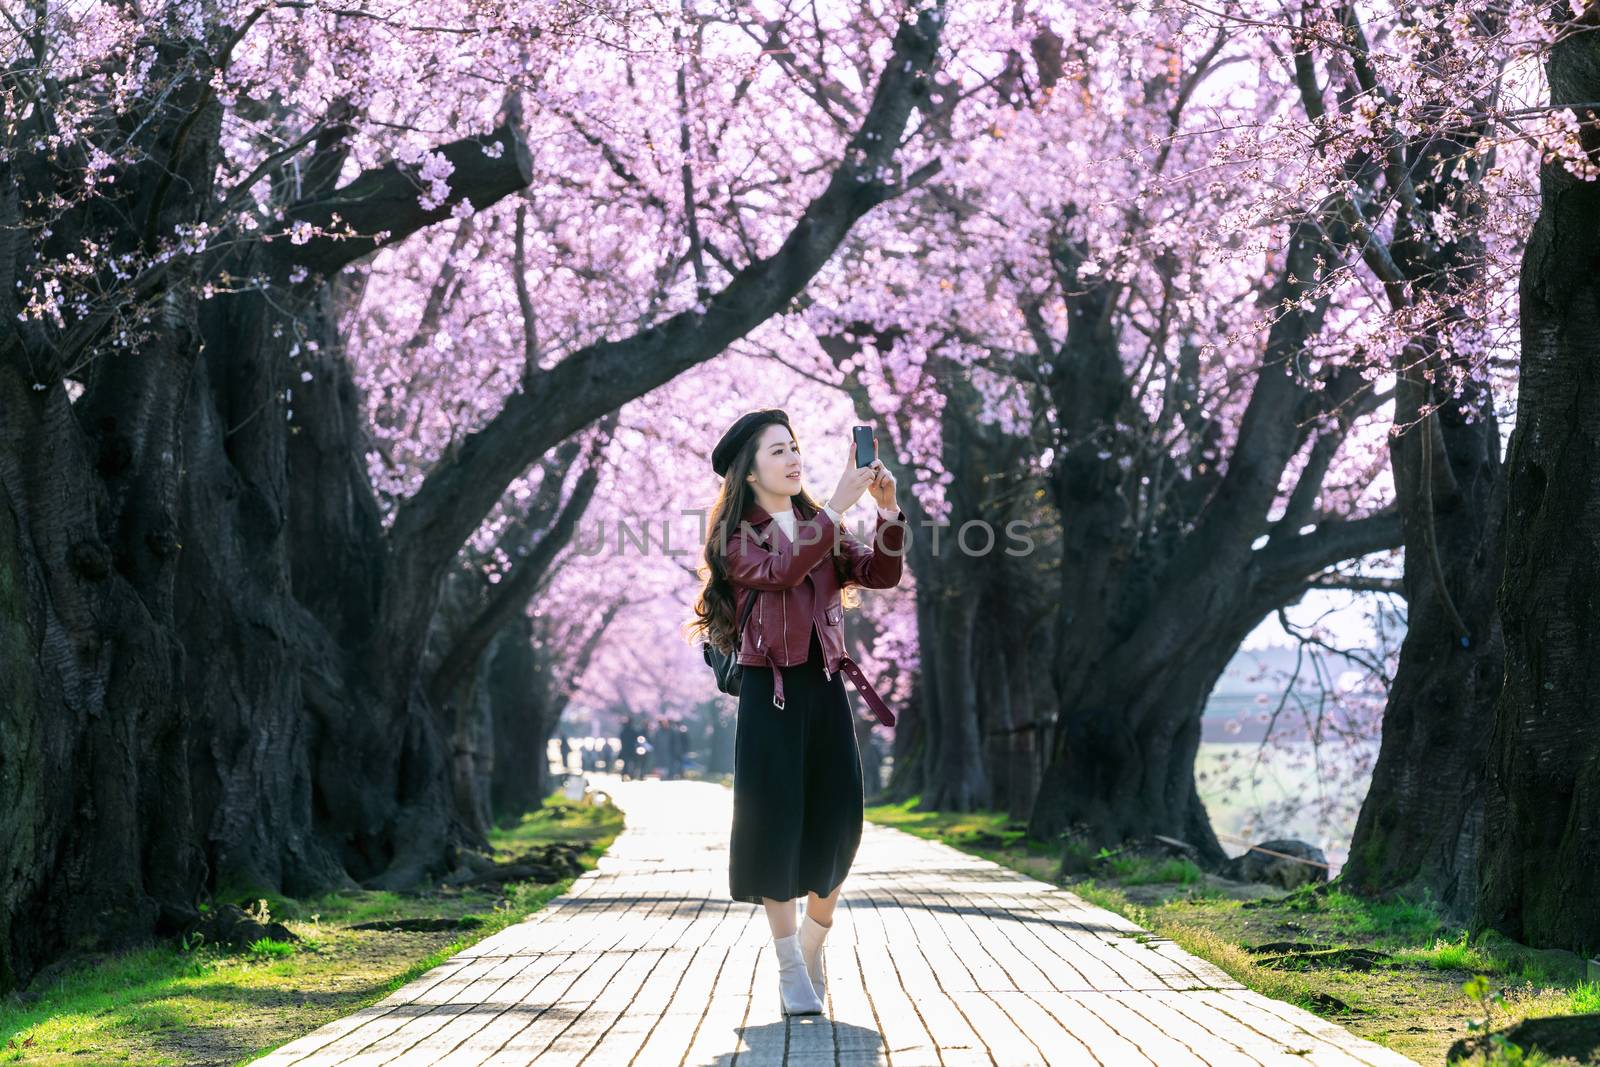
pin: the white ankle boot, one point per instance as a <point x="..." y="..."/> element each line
<point x="811" y="936"/>
<point x="794" y="986"/>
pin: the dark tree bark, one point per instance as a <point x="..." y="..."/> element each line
<point x="1017" y="674"/>
<point x="956" y="778"/>
<point x="1421" y="821"/>
<point x="950" y="589"/>
<point x="1537" y="880"/>
<point x="976" y="615"/>
<point x="98" y="833"/>
<point x="527" y="689"/>
<point x="512" y="693"/>
<point x="251" y="760"/>
<point x="976" y="606"/>
<point x="1162" y="580"/>
<point x="908" y="769"/>
<point x="320" y="767"/>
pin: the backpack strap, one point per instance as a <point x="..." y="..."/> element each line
<point x="744" y="617"/>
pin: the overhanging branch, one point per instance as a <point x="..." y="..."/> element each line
<point x="512" y="594"/>
<point x="1279" y="569"/>
<point x="1358" y="583"/>
<point x="386" y="200"/>
<point x="463" y="487"/>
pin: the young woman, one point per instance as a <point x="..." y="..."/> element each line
<point x="797" y="789"/>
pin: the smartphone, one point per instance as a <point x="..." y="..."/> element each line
<point x="866" y="445"/>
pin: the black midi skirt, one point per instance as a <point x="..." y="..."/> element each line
<point x="797" y="789"/>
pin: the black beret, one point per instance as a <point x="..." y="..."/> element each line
<point x="741" y="430"/>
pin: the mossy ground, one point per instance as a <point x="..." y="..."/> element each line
<point x="163" y="1005"/>
<point x="1412" y="1001"/>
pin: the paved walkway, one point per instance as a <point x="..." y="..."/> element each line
<point x="936" y="958"/>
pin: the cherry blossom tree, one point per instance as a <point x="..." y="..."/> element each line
<point x="1411" y="113"/>
<point x="230" y="617"/>
<point x="1105" y="342"/>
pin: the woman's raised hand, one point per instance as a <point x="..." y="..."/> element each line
<point x="882" y="485"/>
<point x="852" y="483"/>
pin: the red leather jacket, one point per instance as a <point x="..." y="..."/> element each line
<point x="796" y="589"/>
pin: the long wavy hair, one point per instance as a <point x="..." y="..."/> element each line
<point x="713" y="609"/>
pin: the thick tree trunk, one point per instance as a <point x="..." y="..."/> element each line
<point x="1542" y="801"/>
<point x="909" y="749"/>
<point x="1014" y="738"/>
<point x="954" y="747"/>
<point x="994" y="697"/>
<point x="528" y="690"/>
<point x="1421" y="823"/>
<point x="334" y="530"/>
<point x="97" y="836"/>
<point x="955" y="779"/>
<point x="472" y="752"/>
<point x="97" y="841"/>
<point x="1161" y="586"/>
<point x="512" y="686"/>
<point x="251" y="761"/>
<point x="316" y="765"/>
<point x="1128" y="749"/>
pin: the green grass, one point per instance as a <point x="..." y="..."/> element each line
<point x="1453" y="954"/>
<point x="1144" y="870"/>
<point x="268" y="948"/>
<point x="162" y="1005"/>
<point x="1387" y="923"/>
<point x="1412" y="1001"/>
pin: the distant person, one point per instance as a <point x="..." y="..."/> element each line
<point x="668" y="740"/>
<point x="641" y="753"/>
<point x="633" y="748"/>
<point x="680" y="752"/>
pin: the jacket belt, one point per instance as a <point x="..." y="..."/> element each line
<point x="848" y="667"/>
<point x="869" y="694"/>
<point x="777" y="682"/>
